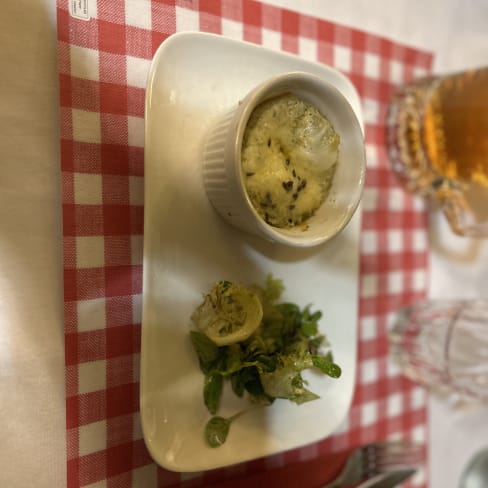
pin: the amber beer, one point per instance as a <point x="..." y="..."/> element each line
<point x="437" y="134"/>
<point x="456" y="127"/>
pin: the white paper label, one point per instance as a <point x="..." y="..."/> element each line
<point x="79" y="9"/>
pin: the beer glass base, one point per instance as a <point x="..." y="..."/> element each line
<point x="443" y="345"/>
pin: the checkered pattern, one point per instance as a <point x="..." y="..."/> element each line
<point x="103" y="64"/>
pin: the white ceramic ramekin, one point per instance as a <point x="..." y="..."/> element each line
<point x="222" y="173"/>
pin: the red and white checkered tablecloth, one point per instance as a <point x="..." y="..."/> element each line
<point x="104" y="53"/>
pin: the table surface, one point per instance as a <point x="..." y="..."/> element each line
<point x="31" y="308"/>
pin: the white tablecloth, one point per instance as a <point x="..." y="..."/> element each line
<point x="31" y="339"/>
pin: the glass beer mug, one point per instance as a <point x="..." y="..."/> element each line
<point x="437" y="137"/>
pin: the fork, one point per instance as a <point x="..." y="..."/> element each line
<point x="373" y="459"/>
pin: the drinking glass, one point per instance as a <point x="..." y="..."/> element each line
<point x="437" y="139"/>
<point x="443" y="344"/>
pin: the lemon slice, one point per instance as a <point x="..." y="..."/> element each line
<point x="230" y="313"/>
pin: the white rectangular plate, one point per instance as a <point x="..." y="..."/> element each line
<point x="194" y="77"/>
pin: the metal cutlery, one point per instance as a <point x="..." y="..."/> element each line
<point x="389" y="479"/>
<point x="374" y="459"/>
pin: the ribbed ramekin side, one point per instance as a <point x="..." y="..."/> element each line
<point x="218" y="173"/>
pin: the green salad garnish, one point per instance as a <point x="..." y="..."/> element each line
<point x="245" y="336"/>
